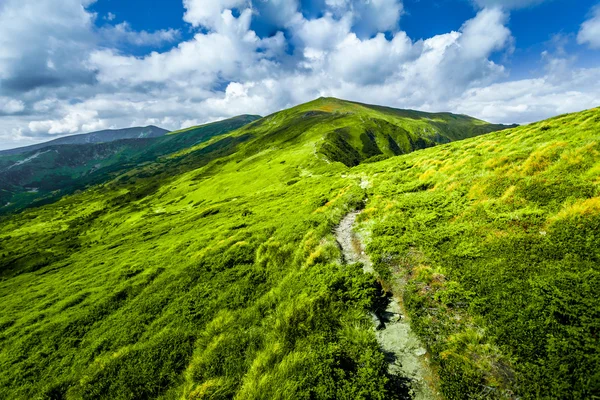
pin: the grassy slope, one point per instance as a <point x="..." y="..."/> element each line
<point x="494" y="243"/>
<point x="49" y="173"/>
<point x="196" y="275"/>
<point x="211" y="274"/>
<point x="352" y="133"/>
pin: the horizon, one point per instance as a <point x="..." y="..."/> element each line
<point x="112" y="129"/>
<point x="92" y="65"/>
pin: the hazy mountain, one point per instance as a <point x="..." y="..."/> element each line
<point x="52" y="171"/>
<point x="105" y="136"/>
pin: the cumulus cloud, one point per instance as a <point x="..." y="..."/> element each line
<point x="226" y="54"/>
<point x="123" y="33"/>
<point x="590" y="30"/>
<point x="76" y="77"/>
<point x="370" y="16"/>
<point x="10" y="106"/>
<point x="74" y="121"/>
<point x="278" y="13"/>
<point x="44" y="43"/>
<point x="436" y="68"/>
<point x="207" y="12"/>
<point x="371" y="61"/>
<point x="532" y="99"/>
<point x="321" y="34"/>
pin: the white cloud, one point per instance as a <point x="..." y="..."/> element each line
<point x="10" y="106"/>
<point x="43" y="43"/>
<point x="532" y="100"/>
<point x="369" y="16"/>
<point x="110" y="16"/>
<point x="74" y="121"/>
<point x="590" y="30"/>
<point x="437" y="68"/>
<point x="371" y="61"/>
<point x="225" y="69"/>
<point x="485" y="33"/>
<point x="228" y="53"/>
<point x="322" y="34"/>
<point x="280" y="13"/>
<point x="206" y="12"/>
<point x="122" y="33"/>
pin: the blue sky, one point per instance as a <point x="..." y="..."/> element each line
<point x="532" y="27"/>
<point x="71" y="66"/>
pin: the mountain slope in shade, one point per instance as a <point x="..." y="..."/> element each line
<point x="53" y="171"/>
<point x="105" y="136"/>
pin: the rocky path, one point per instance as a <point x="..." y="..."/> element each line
<point x="403" y="349"/>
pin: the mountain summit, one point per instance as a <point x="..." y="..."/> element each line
<point x="352" y="133"/>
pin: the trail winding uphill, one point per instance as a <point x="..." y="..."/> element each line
<point x="404" y="351"/>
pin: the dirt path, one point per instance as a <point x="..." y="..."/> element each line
<point x="350" y="243"/>
<point x="403" y="349"/>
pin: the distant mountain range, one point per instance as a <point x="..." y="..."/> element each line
<point x="105" y="136"/>
<point x="52" y="169"/>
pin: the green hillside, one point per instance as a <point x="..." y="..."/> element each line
<point x="214" y="272"/>
<point x="494" y="244"/>
<point x="352" y="133"/>
<point x="47" y="173"/>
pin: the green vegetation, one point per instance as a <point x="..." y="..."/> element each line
<point x="211" y="272"/>
<point x="50" y="170"/>
<point x="494" y="243"/>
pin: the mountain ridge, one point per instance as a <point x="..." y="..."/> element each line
<point x="50" y="171"/>
<point x="342" y="131"/>
<point x="103" y="136"/>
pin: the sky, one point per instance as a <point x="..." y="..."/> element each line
<point x="74" y="66"/>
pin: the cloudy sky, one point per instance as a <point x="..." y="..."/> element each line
<point x="73" y="66"/>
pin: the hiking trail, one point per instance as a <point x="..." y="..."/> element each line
<point x="403" y="349"/>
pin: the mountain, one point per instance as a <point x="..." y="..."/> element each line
<point x="105" y="136"/>
<point x="48" y="173"/>
<point x="215" y="272"/>
<point x="346" y="132"/>
<point x="352" y="133"/>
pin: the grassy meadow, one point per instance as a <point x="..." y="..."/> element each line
<point x="494" y="244"/>
<point x="213" y="272"/>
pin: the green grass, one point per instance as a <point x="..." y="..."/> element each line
<point x="47" y="174"/>
<point x="213" y="272"/>
<point x="494" y="243"/>
<point x="191" y="289"/>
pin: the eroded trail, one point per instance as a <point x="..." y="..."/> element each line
<point x="403" y="349"/>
